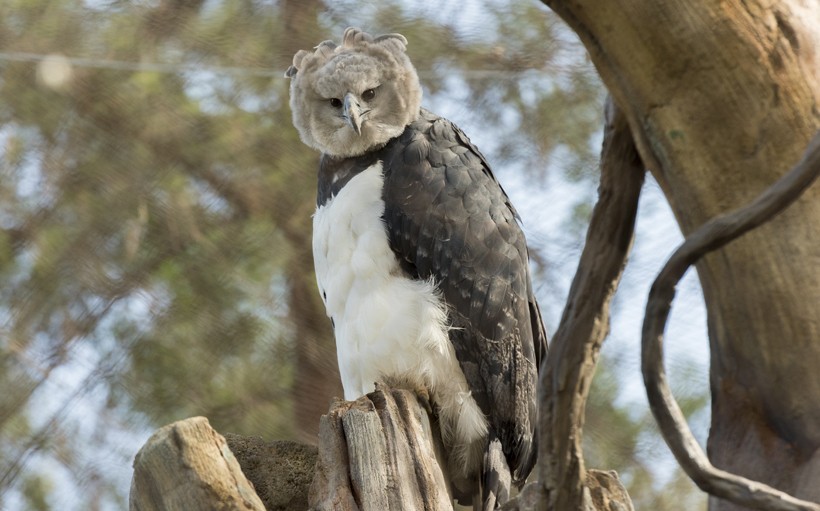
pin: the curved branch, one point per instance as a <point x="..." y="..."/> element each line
<point x="567" y="372"/>
<point x="671" y="421"/>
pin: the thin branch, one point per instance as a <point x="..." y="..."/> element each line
<point x="711" y="236"/>
<point x="566" y="374"/>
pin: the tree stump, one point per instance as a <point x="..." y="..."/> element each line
<point x="187" y="465"/>
<point x="376" y="453"/>
<point x="379" y="453"/>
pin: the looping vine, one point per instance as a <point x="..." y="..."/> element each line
<point x="714" y="234"/>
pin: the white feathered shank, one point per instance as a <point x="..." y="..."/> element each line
<point x="420" y="259"/>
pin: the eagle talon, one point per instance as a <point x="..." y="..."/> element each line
<point x="423" y="395"/>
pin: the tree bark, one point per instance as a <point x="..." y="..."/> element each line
<point x="602" y="490"/>
<point x="379" y="453"/>
<point x="567" y="373"/>
<point x="722" y="98"/>
<point x="715" y="234"/>
<point x="281" y="471"/>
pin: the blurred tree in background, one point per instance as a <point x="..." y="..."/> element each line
<point x="155" y="213"/>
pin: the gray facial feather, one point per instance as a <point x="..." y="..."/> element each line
<point x="331" y="72"/>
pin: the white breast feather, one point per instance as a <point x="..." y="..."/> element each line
<point x="387" y="325"/>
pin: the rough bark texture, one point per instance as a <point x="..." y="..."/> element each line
<point x="567" y="373"/>
<point x="378" y="453"/>
<point x="711" y="236"/>
<point x="722" y="98"/>
<point x="606" y="492"/>
<point x="281" y="471"/>
<point x="187" y="465"/>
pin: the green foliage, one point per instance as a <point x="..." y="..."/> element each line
<point x="36" y="490"/>
<point x="145" y="220"/>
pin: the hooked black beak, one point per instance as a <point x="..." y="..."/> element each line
<point x="352" y="113"/>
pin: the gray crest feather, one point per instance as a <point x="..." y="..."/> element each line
<point x="355" y="36"/>
<point x="325" y="49"/>
<point x="352" y="38"/>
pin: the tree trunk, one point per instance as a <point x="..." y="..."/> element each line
<point x="377" y="453"/>
<point x="722" y="98"/>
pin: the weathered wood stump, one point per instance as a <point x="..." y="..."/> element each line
<point x="379" y="453"/>
<point x="376" y="453"/>
<point x="187" y="465"/>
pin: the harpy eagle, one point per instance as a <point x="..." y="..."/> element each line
<point x="420" y="260"/>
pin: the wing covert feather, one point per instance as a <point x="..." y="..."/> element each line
<point x="448" y="219"/>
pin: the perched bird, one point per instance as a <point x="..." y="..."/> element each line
<point x="420" y="260"/>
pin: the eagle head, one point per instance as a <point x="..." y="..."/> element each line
<point x="352" y="98"/>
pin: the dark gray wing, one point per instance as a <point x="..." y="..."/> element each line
<point x="448" y="218"/>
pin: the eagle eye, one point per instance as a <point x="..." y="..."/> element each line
<point x="369" y="94"/>
<point x="335" y="102"/>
